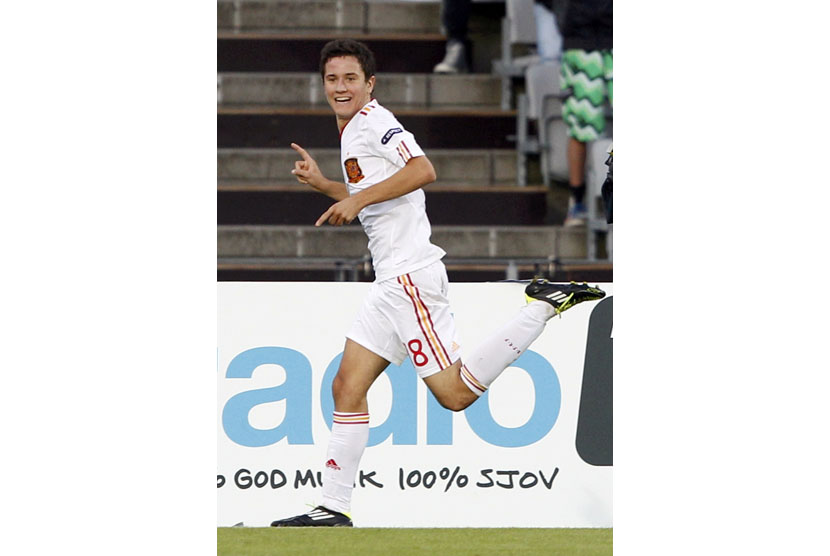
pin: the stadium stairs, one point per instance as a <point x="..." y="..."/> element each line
<point x="270" y="94"/>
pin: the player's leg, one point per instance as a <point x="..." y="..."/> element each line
<point x="449" y="389"/>
<point x="460" y="384"/>
<point x="359" y="368"/>
<point x="371" y="344"/>
<point x="423" y="320"/>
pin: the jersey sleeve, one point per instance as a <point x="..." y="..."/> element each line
<point x="389" y="139"/>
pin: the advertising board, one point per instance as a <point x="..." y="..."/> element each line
<point x="524" y="455"/>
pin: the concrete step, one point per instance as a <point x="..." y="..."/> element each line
<point x="392" y="89"/>
<point x="405" y="36"/>
<point x="456" y="166"/>
<point x="246" y="242"/>
<point x="300" y="52"/>
<point x="434" y="128"/>
<point x="331" y="15"/>
<point x="458" y="270"/>
<point x="258" y="204"/>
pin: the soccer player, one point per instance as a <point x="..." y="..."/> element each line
<point x="406" y="312"/>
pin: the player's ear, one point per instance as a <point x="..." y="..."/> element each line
<point x="371" y="82"/>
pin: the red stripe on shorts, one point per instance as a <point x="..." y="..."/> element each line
<point x="418" y="315"/>
<point x="437" y="336"/>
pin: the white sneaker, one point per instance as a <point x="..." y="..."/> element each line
<point x="455" y="59"/>
<point x="577" y="215"/>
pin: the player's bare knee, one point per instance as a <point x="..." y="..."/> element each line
<point x="458" y="405"/>
<point x="337" y="385"/>
<point x="453" y="401"/>
<point x="448" y="403"/>
<point x="344" y="390"/>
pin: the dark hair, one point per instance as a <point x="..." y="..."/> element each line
<point x="348" y="47"/>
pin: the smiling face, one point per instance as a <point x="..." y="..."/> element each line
<point x="347" y="89"/>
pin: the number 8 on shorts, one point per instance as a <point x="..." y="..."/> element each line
<point x="418" y="357"/>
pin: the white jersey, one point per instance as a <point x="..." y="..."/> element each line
<point x="373" y="146"/>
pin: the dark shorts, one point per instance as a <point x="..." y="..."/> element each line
<point x="589" y="77"/>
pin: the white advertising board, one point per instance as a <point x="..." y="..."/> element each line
<point x="509" y="460"/>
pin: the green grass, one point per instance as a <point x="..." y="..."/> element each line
<point x="250" y="541"/>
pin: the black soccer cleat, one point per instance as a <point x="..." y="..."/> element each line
<point x="318" y="517"/>
<point x="561" y="296"/>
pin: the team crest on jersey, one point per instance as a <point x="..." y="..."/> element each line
<point x="353" y="170"/>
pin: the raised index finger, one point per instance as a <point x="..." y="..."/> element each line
<point x="324" y="216"/>
<point x="302" y="151"/>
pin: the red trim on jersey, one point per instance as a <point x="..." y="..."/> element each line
<point x="371" y="100"/>
<point x="403" y="154"/>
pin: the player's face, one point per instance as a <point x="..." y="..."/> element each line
<point x="347" y="88"/>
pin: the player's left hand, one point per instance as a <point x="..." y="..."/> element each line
<point x="341" y="212"/>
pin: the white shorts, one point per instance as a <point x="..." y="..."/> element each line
<point x="410" y="315"/>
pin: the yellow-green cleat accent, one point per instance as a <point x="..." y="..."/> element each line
<point x="561" y="296"/>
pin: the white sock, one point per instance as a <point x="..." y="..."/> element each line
<point x="349" y="436"/>
<point x="488" y="360"/>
